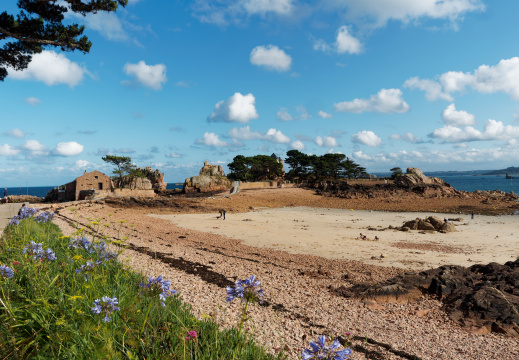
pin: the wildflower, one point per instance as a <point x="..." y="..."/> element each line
<point x="106" y="305"/>
<point x="48" y="254"/>
<point x="158" y="287"/>
<point x="33" y="248"/>
<point x="82" y="243"/>
<point x="247" y="290"/>
<point x="14" y="221"/>
<point x="44" y="217"/>
<point x="6" y="271"/>
<point x="191" y="335"/>
<point x="320" y="350"/>
<point x="15" y="263"/>
<point x="86" y="269"/>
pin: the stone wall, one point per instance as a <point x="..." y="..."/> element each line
<point x="261" y="184"/>
<point x="132" y="192"/>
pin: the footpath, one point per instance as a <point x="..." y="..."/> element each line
<point x="7" y="211"/>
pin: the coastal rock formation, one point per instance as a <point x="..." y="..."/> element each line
<point x="482" y="298"/>
<point x="156" y="178"/>
<point x="211" y="178"/>
<point x="414" y="177"/>
<point x="431" y="223"/>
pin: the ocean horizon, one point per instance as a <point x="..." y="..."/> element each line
<point x="465" y="183"/>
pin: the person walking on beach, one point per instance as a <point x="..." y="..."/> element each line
<point x="472" y="216"/>
<point x="222" y="214"/>
<point x="6" y="199"/>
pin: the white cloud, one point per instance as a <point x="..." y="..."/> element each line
<point x="379" y="12"/>
<point x="8" y="150"/>
<point x="503" y="77"/>
<point x="70" y="148"/>
<point x="35" y="148"/>
<point x="326" y="141"/>
<point x="81" y="165"/>
<point x="344" y="43"/>
<point x="238" y="108"/>
<point x="283" y="115"/>
<point x="433" y="90"/>
<point x="366" y="137"/>
<point x="494" y="130"/>
<point x="276" y="136"/>
<point x="409" y="137"/>
<point x="211" y="139"/>
<point x="17" y="133"/>
<point x="281" y="7"/>
<point x="52" y="69"/>
<point x="152" y="76"/>
<point x="106" y="24"/>
<point x="33" y="101"/>
<point x="454" y="117"/>
<point x="270" y="57"/>
<point x="385" y="101"/>
<point x="272" y="135"/>
<point x="224" y="12"/>
<point x="324" y="115"/>
<point x="173" y="155"/>
<point x="298" y="145"/>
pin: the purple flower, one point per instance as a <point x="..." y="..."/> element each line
<point x="106" y="305"/>
<point x="191" y="335"/>
<point x="33" y="248"/>
<point x="6" y="271"/>
<point x="247" y="290"/>
<point x="158" y="287"/>
<point x="86" y="269"/>
<point x="44" y="217"/>
<point x="48" y="254"/>
<point x="14" y="221"/>
<point x="319" y="350"/>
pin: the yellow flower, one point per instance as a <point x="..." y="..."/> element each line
<point x="78" y="257"/>
<point x="75" y="297"/>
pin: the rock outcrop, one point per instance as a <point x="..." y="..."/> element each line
<point x="482" y="298"/>
<point x="211" y="178"/>
<point x="414" y="177"/>
<point x="156" y="178"/>
<point x="431" y="223"/>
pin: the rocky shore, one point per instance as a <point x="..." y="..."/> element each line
<point x="302" y="301"/>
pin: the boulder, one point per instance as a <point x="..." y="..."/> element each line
<point x="414" y="177"/>
<point x="425" y="225"/>
<point x="204" y="183"/>
<point x="138" y="183"/>
<point x="436" y="222"/>
<point x="211" y="170"/>
<point x="448" y="227"/>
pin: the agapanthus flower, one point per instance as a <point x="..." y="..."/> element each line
<point x="319" y="350"/>
<point x="33" y="248"/>
<point x="247" y="290"/>
<point x="44" y="217"/>
<point x="48" y="254"/>
<point x="157" y="286"/>
<point x="6" y="271"/>
<point x="82" y="243"/>
<point x="86" y="269"/>
<point x="27" y="212"/>
<point x="14" y="221"/>
<point x="107" y="306"/>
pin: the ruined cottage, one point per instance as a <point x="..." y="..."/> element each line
<point x="85" y="185"/>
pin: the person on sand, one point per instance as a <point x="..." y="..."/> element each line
<point x="472" y="216"/>
<point x="377" y="238"/>
<point x="363" y="237"/>
<point x="222" y="214"/>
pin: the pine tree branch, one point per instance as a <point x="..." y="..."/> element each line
<point x="37" y="41"/>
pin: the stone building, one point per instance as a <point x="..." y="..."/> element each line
<point x="86" y="185"/>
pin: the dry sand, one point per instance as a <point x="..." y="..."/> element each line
<point x="334" y="234"/>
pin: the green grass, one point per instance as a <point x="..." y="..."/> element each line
<point x="45" y="312"/>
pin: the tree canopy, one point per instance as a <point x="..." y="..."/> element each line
<point x="39" y="24"/>
<point x="335" y="166"/>
<point x="396" y="171"/>
<point x="123" y="165"/>
<point x="254" y="168"/>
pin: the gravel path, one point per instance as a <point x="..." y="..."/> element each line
<point x="300" y="307"/>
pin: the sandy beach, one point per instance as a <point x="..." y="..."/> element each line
<point x="301" y="253"/>
<point x="334" y="234"/>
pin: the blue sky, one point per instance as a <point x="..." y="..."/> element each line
<point x="430" y="84"/>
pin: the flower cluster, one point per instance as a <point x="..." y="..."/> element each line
<point x="27" y="212"/>
<point x="82" y="243"/>
<point x="44" y="217"/>
<point x="191" y="335"/>
<point x="91" y="248"/>
<point x="33" y="248"/>
<point x="48" y="254"/>
<point x="6" y="271"/>
<point x="106" y="305"/>
<point x="14" y="221"/>
<point x="247" y="290"/>
<point x="157" y="286"/>
<point x="319" y="350"/>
